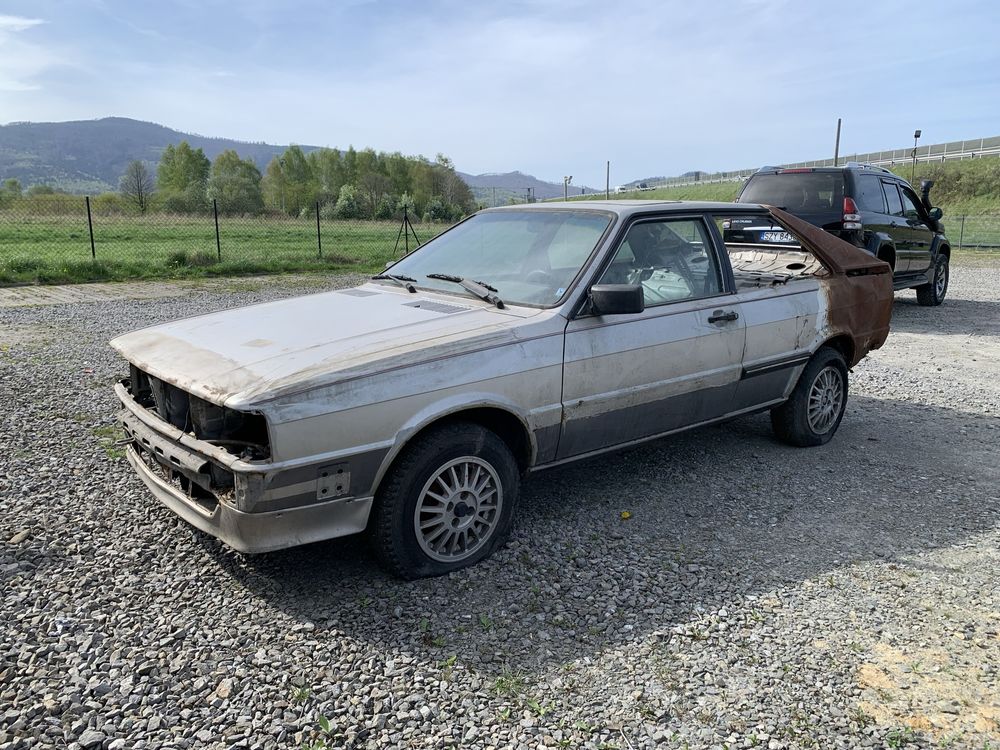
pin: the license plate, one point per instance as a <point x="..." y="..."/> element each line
<point x="781" y="237"/>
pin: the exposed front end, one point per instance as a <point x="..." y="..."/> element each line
<point x="213" y="467"/>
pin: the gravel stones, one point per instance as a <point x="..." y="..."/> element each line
<point x="756" y="596"/>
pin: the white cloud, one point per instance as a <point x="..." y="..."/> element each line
<point x="17" y="23"/>
<point x="20" y="61"/>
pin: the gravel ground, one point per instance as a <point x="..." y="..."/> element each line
<point x="758" y="596"/>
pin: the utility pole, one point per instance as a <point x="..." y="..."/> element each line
<point x="607" y="182"/>
<point x="836" y="147"/>
<point x="913" y="167"/>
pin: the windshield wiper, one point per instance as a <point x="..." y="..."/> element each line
<point x="403" y="281"/>
<point x="478" y="288"/>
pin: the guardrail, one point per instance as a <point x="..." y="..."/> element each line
<point x="971" y="149"/>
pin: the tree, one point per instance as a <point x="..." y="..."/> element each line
<point x="300" y="184"/>
<point x="273" y="185"/>
<point x="235" y="184"/>
<point x="182" y="177"/>
<point x="11" y="188"/>
<point x="373" y="187"/>
<point x="328" y="171"/>
<point x="136" y="185"/>
<point x="41" y="190"/>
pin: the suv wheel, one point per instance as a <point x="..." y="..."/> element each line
<point x="931" y="295"/>
<point x="812" y="414"/>
<point x="447" y="503"/>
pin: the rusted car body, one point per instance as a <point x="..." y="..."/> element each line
<point x="282" y="423"/>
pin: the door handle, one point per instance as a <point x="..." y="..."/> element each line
<point x="719" y="316"/>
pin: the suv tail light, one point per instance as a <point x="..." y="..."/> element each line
<point x="852" y="218"/>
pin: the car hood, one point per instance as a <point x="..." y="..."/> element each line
<point x="238" y="357"/>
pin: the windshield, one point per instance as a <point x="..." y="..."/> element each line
<point x="529" y="257"/>
<point x="797" y="192"/>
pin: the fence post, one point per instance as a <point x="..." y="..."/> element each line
<point x="319" y="238"/>
<point x="90" y="226"/>
<point x="406" y="224"/>
<point x="961" y="234"/>
<point x="218" y="243"/>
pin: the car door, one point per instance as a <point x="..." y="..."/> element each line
<point x="921" y="235"/>
<point x="870" y="199"/>
<point x="897" y="227"/>
<point x="677" y="363"/>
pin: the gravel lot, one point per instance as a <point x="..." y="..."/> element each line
<point x="758" y="596"/>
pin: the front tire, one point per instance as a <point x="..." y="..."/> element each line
<point x="447" y="503"/>
<point x="932" y="295"/>
<point x="812" y="414"/>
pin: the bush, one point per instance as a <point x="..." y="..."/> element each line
<point x="440" y="212"/>
<point x="348" y="206"/>
<point x="328" y="210"/>
<point x="197" y="259"/>
<point x="385" y="207"/>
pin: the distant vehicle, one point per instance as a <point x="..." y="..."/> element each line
<point x="589" y="328"/>
<point x="643" y="186"/>
<point x="621" y="188"/>
<point x="868" y="206"/>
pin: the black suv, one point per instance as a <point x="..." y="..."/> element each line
<point x="866" y="205"/>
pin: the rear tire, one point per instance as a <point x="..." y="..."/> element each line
<point x="812" y="414"/>
<point x="447" y="503"/>
<point x="933" y="294"/>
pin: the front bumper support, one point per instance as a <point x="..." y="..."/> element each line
<point x="258" y="532"/>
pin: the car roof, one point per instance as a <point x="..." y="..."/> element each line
<point x="856" y="168"/>
<point x="629" y="207"/>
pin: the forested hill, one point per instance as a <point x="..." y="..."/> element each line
<point x="90" y="155"/>
<point x="515" y="185"/>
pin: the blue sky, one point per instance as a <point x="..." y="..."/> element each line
<point x="551" y="88"/>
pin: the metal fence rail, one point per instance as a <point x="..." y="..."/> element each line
<point x="972" y="149"/>
<point x="74" y="240"/>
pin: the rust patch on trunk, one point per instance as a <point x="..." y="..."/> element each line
<point x="859" y="288"/>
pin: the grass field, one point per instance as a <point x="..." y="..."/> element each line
<point x="56" y="249"/>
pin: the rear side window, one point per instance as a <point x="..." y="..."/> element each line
<point x="797" y="192"/>
<point x="869" y="194"/>
<point x="892" y="199"/>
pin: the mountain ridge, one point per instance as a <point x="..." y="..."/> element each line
<point x="88" y="156"/>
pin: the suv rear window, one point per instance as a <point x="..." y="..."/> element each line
<point x="797" y="192"/>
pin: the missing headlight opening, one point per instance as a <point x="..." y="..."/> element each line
<point x="244" y="434"/>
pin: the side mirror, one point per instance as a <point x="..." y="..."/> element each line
<point x="616" y="299"/>
<point x="935" y="213"/>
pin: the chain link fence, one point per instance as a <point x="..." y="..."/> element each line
<point x="61" y="241"/>
<point x="77" y="239"/>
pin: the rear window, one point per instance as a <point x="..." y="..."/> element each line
<point x="797" y="192"/>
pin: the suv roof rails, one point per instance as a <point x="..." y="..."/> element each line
<point x="864" y="165"/>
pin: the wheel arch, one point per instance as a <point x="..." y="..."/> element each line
<point x="842" y="343"/>
<point x="887" y="252"/>
<point x="500" y="418"/>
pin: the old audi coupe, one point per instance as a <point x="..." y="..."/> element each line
<point x="412" y="407"/>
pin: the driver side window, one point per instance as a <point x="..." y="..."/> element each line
<point x="672" y="260"/>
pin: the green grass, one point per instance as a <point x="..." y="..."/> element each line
<point x="56" y="249"/>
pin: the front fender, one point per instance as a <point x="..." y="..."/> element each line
<point x="447" y="407"/>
